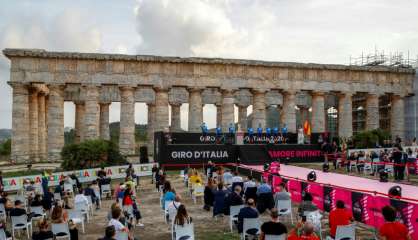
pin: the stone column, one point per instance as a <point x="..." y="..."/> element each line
<point x="288" y="114"/>
<point x="42" y="126"/>
<point x="397" y="118"/>
<point x="20" y="123"/>
<point x="55" y="122"/>
<point x="79" y="121"/>
<point x="33" y="124"/>
<point x="242" y="117"/>
<point x="227" y="109"/>
<point x="175" y="117"/>
<point x="91" y="114"/>
<point x="127" y="120"/>
<point x="150" y="127"/>
<point x="372" y="112"/>
<point x="345" y="115"/>
<point x="104" y="121"/>
<point x="161" y="109"/>
<point x="218" y="115"/>
<point x="195" y="109"/>
<point x="318" y="112"/>
<point x="259" y="109"/>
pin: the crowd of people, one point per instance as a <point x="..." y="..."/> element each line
<point x="223" y="189"/>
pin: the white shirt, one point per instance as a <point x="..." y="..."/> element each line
<point x="227" y="178"/>
<point x="117" y="224"/>
<point x="80" y="198"/>
<point x="237" y="179"/>
<point x="172" y="208"/>
<point x="248" y="184"/>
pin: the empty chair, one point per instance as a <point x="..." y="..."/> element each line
<point x="19" y="223"/>
<point x="233" y="215"/>
<point x="84" y="209"/>
<point x="60" y="230"/>
<point x="251" y="227"/>
<point x="106" y="190"/>
<point x="198" y="191"/>
<point x="77" y="217"/>
<point x="185" y="232"/>
<point x="347" y="232"/>
<point x="285" y="208"/>
<point x="275" y="237"/>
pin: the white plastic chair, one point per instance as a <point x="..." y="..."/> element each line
<point x="120" y="201"/>
<point x="198" y="191"/>
<point x="21" y="222"/>
<point x="367" y="169"/>
<point x="250" y="223"/>
<point x="172" y="213"/>
<point x="68" y="187"/>
<point x="90" y="205"/>
<point x="314" y="217"/>
<point x="2" y="211"/>
<point x="233" y="215"/>
<point x="346" y="232"/>
<point x="353" y="164"/>
<point x="3" y="235"/>
<point x="389" y="169"/>
<point x="62" y="229"/>
<point x="106" y="190"/>
<point x="181" y="174"/>
<point x="184" y="231"/>
<point x="121" y="235"/>
<point x="275" y="237"/>
<point x="57" y="197"/>
<point x="77" y="217"/>
<point x="285" y="208"/>
<point x="166" y="213"/>
<point x="83" y="208"/>
<point x="37" y="213"/>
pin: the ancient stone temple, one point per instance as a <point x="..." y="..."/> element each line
<point x="43" y="80"/>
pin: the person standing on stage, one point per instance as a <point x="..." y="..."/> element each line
<point x="204" y="128"/>
<point x="301" y="137"/>
<point x="259" y="132"/>
<point x="250" y="134"/>
<point x="218" y="134"/>
<point x="284" y="133"/>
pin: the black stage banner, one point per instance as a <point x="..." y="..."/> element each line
<point x="291" y="138"/>
<point x="197" y="154"/>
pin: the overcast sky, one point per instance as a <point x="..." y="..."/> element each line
<point x="323" y="31"/>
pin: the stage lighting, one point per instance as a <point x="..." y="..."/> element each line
<point x="311" y="176"/>
<point x="383" y="176"/>
<point x="395" y="191"/>
<point x="325" y="167"/>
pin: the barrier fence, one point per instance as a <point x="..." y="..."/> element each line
<point x="365" y="205"/>
<point x="83" y="175"/>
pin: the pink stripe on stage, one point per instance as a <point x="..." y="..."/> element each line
<point x="345" y="181"/>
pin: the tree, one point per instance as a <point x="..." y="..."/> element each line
<point x="6" y="148"/>
<point x="91" y="154"/>
<point x="370" y="139"/>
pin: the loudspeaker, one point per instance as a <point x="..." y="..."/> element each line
<point x="395" y="191"/>
<point x="143" y="154"/>
<point x="311" y="176"/>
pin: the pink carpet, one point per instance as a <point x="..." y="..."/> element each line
<point x="346" y="181"/>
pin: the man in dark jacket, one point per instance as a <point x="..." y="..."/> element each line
<point x="233" y="199"/>
<point x="89" y="191"/>
<point x="18" y="210"/>
<point x="397" y="158"/>
<point x="247" y="212"/>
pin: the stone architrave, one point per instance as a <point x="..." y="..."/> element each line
<point x="104" y="121"/>
<point x="227" y="109"/>
<point x="318" y="112"/>
<point x="42" y="126"/>
<point x="175" y="117"/>
<point x="91" y="115"/>
<point x="195" y="109"/>
<point x="345" y="115"/>
<point x="79" y="121"/>
<point x="259" y="109"/>
<point x="127" y="121"/>
<point x="33" y="121"/>
<point x="372" y="112"/>
<point x="20" y="124"/>
<point x="55" y="122"/>
<point x="288" y="114"/>
<point x="242" y="117"/>
<point x="161" y="109"/>
<point x="397" y="117"/>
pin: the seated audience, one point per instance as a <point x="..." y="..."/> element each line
<point x="116" y="215"/>
<point x="303" y="231"/>
<point x="36" y="201"/>
<point x="273" y="227"/>
<point x="392" y="229"/>
<point x="233" y="199"/>
<point x="18" y="210"/>
<point x="173" y="207"/>
<point x="208" y="196"/>
<point x="195" y="177"/>
<point x="219" y="200"/>
<point x="89" y="191"/>
<point x="182" y="218"/>
<point x="60" y="215"/>
<point x="282" y="194"/>
<point x="236" y="178"/>
<point x="110" y="233"/>
<point x="249" y="183"/>
<point x="265" y="198"/>
<point x="339" y="217"/>
<point x="81" y="198"/>
<point x="43" y="233"/>
<point x="249" y="211"/>
<point x="307" y="204"/>
<point x="169" y="194"/>
<point x="227" y="177"/>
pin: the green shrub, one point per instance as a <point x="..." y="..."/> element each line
<point x="369" y="139"/>
<point x="6" y="148"/>
<point x="91" y="154"/>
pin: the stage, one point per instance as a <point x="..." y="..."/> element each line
<point x="344" y="181"/>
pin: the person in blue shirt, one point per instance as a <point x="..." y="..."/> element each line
<point x="204" y="128"/>
<point x="275" y="131"/>
<point x="169" y="194"/>
<point x="218" y="131"/>
<point x="268" y="132"/>
<point x="259" y="131"/>
<point x="250" y="131"/>
<point x="231" y="128"/>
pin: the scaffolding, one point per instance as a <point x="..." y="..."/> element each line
<point x="397" y="59"/>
